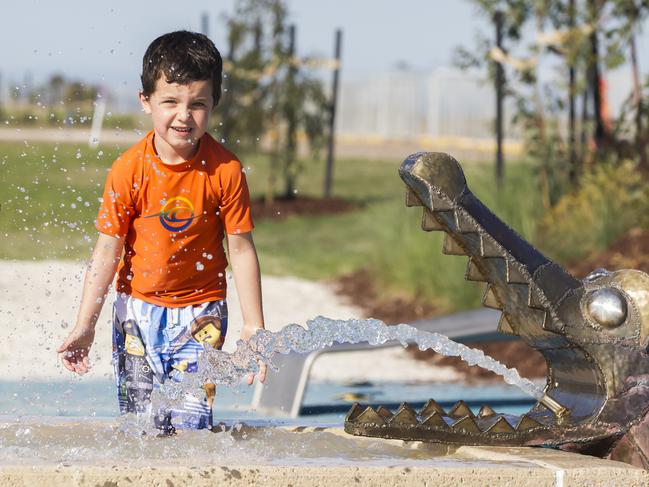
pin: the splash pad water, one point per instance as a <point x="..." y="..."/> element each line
<point x="90" y="451"/>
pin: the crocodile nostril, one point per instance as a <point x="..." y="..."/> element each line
<point x="607" y="307"/>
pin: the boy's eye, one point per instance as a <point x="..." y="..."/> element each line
<point x="199" y="104"/>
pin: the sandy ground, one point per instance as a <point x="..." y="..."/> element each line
<point x="38" y="304"/>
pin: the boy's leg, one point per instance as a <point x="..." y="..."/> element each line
<point x="134" y="355"/>
<point x="200" y="326"/>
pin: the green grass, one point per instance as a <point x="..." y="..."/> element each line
<point x="49" y="199"/>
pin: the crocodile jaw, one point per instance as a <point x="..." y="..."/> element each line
<point x="595" y="371"/>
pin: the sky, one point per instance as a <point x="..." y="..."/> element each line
<point x="104" y="41"/>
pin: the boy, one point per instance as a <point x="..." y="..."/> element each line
<point x="167" y="202"/>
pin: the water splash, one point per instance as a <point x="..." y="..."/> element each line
<point x="221" y="367"/>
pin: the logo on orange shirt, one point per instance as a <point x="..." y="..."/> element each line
<point x="176" y="214"/>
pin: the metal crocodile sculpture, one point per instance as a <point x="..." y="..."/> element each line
<point x="593" y="334"/>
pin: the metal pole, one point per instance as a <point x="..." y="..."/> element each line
<point x="499" y="102"/>
<point x="595" y="77"/>
<point x="572" y="116"/>
<point x="291" y="119"/>
<point x="332" y="116"/>
<point x="205" y="24"/>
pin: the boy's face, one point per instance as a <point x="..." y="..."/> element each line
<point x="180" y="114"/>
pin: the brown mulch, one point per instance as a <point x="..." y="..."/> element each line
<point x="631" y="251"/>
<point x="360" y="289"/>
<point x="302" y="205"/>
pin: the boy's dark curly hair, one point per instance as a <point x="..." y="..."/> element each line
<point x="182" y="57"/>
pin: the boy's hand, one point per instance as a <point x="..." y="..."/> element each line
<point x="261" y="375"/>
<point x="246" y="333"/>
<point x="75" y="350"/>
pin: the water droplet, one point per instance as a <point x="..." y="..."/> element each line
<point x="199" y="266"/>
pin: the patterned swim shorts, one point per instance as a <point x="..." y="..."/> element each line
<point x="153" y="344"/>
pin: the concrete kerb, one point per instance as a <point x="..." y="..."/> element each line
<point x="449" y="466"/>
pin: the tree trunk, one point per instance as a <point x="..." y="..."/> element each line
<point x="291" y="121"/>
<point x="500" y="75"/>
<point x="599" y="134"/>
<point x="572" y="134"/>
<point x="640" y="141"/>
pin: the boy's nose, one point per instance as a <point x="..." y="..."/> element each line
<point x="184" y="114"/>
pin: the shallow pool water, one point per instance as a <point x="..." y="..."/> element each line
<point x="324" y="402"/>
<point x="108" y="442"/>
<point x="75" y="422"/>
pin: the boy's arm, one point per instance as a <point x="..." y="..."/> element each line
<point x="247" y="278"/>
<point x="99" y="275"/>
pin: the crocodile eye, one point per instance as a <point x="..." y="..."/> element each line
<point x="607" y="307"/>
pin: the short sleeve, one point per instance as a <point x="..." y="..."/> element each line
<point x="117" y="205"/>
<point x="234" y="207"/>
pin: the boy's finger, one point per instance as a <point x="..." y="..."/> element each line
<point x="80" y="368"/>
<point x="262" y="373"/>
<point x="67" y="365"/>
<point x="250" y="378"/>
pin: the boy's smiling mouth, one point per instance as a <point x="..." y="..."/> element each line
<point x="182" y="130"/>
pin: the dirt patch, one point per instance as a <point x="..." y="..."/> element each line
<point x="359" y="288"/>
<point x="304" y="205"/>
<point x="631" y="251"/>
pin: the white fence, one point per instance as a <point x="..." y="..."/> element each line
<point x="407" y="105"/>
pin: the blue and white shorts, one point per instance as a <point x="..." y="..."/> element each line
<point x="153" y="344"/>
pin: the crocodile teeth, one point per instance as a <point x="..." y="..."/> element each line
<point x="514" y="274"/>
<point x="384" y="412"/>
<point x="439" y="203"/>
<point x="490" y="248"/>
<point x="429" y="223"/>
<point x="412" y="199"/>
<point x="467" y="425"/>
<point x="448" y="219"/>
<point x="405" y="416"/>
<point x="500" y="426"/>
<point x="369" y="415"/>
<point x="471" y="242"/>
<point x="354" y="412"/>
<point x="473" y="272"/>
<point x="429" y="407"/>
<point x="460" y="409"/>
<point x="465" y="224"/>
<point x="486" y="411"/>
<point x="551" y="324"/>
<point x="434" y="419"/>
<point x="489" y="299"/>
<point x="527" y="423"/>
<point x="504" y="326"/>
<point x="541" y="319"/>
<point x="534" y="298"/>
<point x="451" y="247"/>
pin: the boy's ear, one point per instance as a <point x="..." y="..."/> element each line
<point x="144" y="101"/>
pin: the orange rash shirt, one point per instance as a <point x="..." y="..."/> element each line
<point x="173" y="218"/>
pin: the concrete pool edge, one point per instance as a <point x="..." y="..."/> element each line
<point x="467" y="465"/>
<point x="519" y="469"/>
